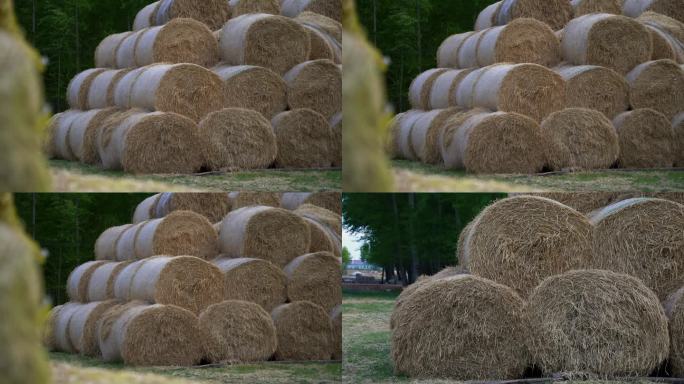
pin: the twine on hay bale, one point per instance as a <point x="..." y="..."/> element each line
<point x="482" y="142"/>
<point x="678" y="126"/>
<point x="449" y="51"/>
<point x="56" y="143"/>
<point x="594" y="87"/>
<point x="519" y="241"/>
<point x="213" y="206"/>
<point x="315" y="277"/>
<point x="268" y="233"/>
<point x="426" y="132"/>
<point x="77" y="282"/>
<point x="328" y="8"/>
<point x="304" y="139"/>
<point x="579" y="138"/>
<point x="186" y="89"/>
<point x="254" y="280"/>
<point x="667" y="34"/>
<point x="101" y="92"/>
<point x="316" y="85"/>
<point x="144" y="17"/>
<point x="125" y="51"/>
<point x="252" y="87"/>
<point x="336" y="147"/>
<point x="61" y="327"/>
<point x="179" y="41"/>
<point x="82" y="134"/>
<point x="598" y="322"/>
<point x="77" y="90"/>
<point x="461" y="327"/>
<point x="304" y="332"/>
<point x="421" y="87"/>
<point x="646" y="139"/>
<point x="584" y="7"/>
<point x="105" y="245"/>
<point x="249" y="198"/>
<point x="242" y="7"/>
<point x="83" y="327"/>
<point x="670" y="8"/>
<point x="106" y="51"/>
<point x="603" y="39"/>
<point x="101" y="283"/>
<point x="236" y="138"/>
<point x="631" y="231"/>
<point x="130" y="333"/>
<point x="146" y="143"/>
<point x="213" y="13"/>
<point x="274" y="42"/>
<point x="527" y="89"/>
<point x="657" y="85"/>
<point x="443" y="93"/>
<point x="331" y="201"/>
<point x="336" y="317"/>
<point x="555" y="13"/>
<point x="673" y="310"/>
<point x="237" y="331"/>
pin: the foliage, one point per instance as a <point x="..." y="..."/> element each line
<point x="346" y="258"/>
<point x="408" y="32"/>
<point x="411" y="234"/>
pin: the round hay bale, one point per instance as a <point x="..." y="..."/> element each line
<point x="268" y="233"/>
<point x="213" y="206"/>
<point x="555" y="13"/>
<point x="105" y="245"/>
<point x="670" y="8"/>
<point x="101" y="92"/>
<point x="321" y="239"/>
<point x="315" y="277"/>
<point x="336" y="125"/>
<point x="248" y="198"/>
<point x="527" y="89"/>
<point x="304" y="332"/>
<point x="304" y="139"/>
<point x="49" y="336"/>
<point x="673" y="310"/>
<point x="123" y="88"/>
<point x="125" y="52"/>
<point x="579" y="138"/>
<point x="186" y="89"/>
<point x="462" y="327"/>
<point x="77" y="90"/>
<point x="603" y="39"/>
<point x="252" y="87"/>
<point x="519" y="241"/>
<point x="631" y="231"/>
<point x="657" y="85"/>
<point x="83" y="327"/>
<point x="82" y="134"/>
<point x="179" y="41"/>
<point x="662" y="46"/>
<point x="315" y="85"/>
<point x="133" y="336"/>
<point x="331" y="201"/>
<point x="213" y="13"/>
<point x="425" y="133"/>
<point x="499" y="142"/>
<point x="598" y="322"/>
<point x="143" y="19"/>
<point x="236" y="138"/>
<point x="101" y="283"/>
<point x="237" y="331"/>
<point x="331" y="27"/>
<point x="178" y="233"/>
<point x="56" y="145"/>
<point x="443" y="93"/>
<point x="122" y="283"/>
<point x="242" y="7"/>
<point x="450" y="49"/>
<point x="79" y="278"/>
<point x="328" y="8"/>
<point x="336" y="318"/>
<point x="646" y="139"/>
<point x="522" y="41"/>
<point x="678" y="126"/>
<point x="330" y="219"/>
<point x="106" y="51"/>
<point x="106" y="340"/>
<point x="184" y="281"/>
<point x="584" y="7"/>
<point x="274" y="42"/>
<point x="146" y="209"/>
<point x="421" y="88"/>
<point x="401" y="132"/>
<point x="667" y="34"/>
<point x="487" y="17"/>
<point x="254" y="280"/>
<point x="594" y="87"/>
<point x="321" y="46"/>
<point x="125" y="246"/>
<point x="61" y="327"/>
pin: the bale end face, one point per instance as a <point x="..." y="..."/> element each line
<point x="304" y="331"/>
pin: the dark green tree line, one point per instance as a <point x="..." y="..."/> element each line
<point x="408" y="33"/>
<point x="409" y="235"/>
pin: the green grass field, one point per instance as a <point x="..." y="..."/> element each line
<point x="76" y="177"/>
<point x="418" y="177"/>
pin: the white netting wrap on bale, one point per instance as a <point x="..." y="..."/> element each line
<point x="77" y="90"/>
<point x="671" y="8"/>
<point x="555" y="13"/>
<point x="328" y="8"/>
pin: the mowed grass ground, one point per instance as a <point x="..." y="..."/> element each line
<point x="76" y="177"/>
<point x="366" y="342"/>
<point x="74" y="369"/>
<point x="415" y="177"/>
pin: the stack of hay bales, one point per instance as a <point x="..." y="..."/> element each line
<point x="168" y="290"/>
<point x="189" y="76"/>
<point x="544" y="85"/>
<point x="543" y="285"/>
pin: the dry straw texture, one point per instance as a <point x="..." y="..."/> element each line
<point x="83" y="132"/>
<point x="49" y="336"/>
<point x="79" y="278"/>
<point x="603" y="39"/>
<point x="249" y="198"/>
<point x="105" y="53"/>
<point x="101" y="92"/>
<point x="462" y="327"/>
<point x="179" y="41"/>
<point x="594" y="87"/>
<point x="253" y="280"/>
<point x="105" y="245"/>
<point x="336" y="317"/>
<point x="678" y="126"/>
<point x="671" y="8"/>
<point x="667" y="34"/>
<point x="144" y="17"/>
<point x="426" y="132"/>
<point x="328" y="8"/>
<point x="242" y="7"/>
<point x="101" y="284"/>
<point x="634" y="230"/>
<point x="83" y="327"/>
<point x="274" y="42"/>
<point x="304" y="139"/>
<point x="322" y="46"/>
<point x="304" y="332"/>
<point x="213" y="13"/>
<point x="421" y="88"/>
<point x="315" y="277"/>
<point x="236" y="138"/>
<point x="77" y="90"/>
<point x="555" y="13"/>
<point x="596" y="322"/>
<point x="646" y="139"/>
<point x="675" y="312"/>
<point x="321" y="239"/>
<point x="500" y="142"/>
<point x="315" y="85"/>
<point x="583" y="7"/>
<point x="329" y="200"/>
<point x="252" y="87"/>
<point x="657" y="85"/>
<point x="326" y="24"/>
<point x="272" y="234"/>
<point x="237" y="331"/>
<point x="331" y="219"/>
<point x="443" y="93"/>
<point x="213" y="206"/>
<point x="578" y="138"/>
<point x="336" y="147"/>
<point x="519" y="241"/>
